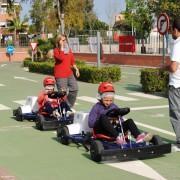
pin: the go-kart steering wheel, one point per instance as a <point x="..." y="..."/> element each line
<point x="118" y="112"/>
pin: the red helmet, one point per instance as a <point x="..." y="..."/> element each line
<point x="105" y="87"/>
<point x="48" y="81"/>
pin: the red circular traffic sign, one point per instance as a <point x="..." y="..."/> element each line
<point x="163" y="23"/>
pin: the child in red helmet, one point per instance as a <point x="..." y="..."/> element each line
<point x="103" y="117"/>
<point x="48" y="99"/>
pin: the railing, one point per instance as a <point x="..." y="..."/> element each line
<point x="109" y="40"/>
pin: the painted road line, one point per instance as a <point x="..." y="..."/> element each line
<point x="124" y="98"/>
<point x="149" y="96"/>
<point x="2" y="65"/>
<point x="7" y="128"/>
<point x="87" y="99"/>
<point x="94" y="100"/>
<point x="24" y="78"/>
<point x="3" y="107"/>
<point x="139" y="168"/>
<point x="155" y="129"/>
<point x="21" y="102"/>
<point x="2" y="85"/>
<point x="137" y="74"/>
<point x="149" y="107"/>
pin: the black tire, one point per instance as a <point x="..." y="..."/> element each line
<point x="95" y="150"/>
<point x="39" y="122"/>
<point x="19" y="116"/>
<point x="62" y="135"/>
<point x="156" y="140"/>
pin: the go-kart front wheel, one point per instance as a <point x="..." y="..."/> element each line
<point x="95" y="150"/>
<point x="156" y="140"/>
<point x="62" y="135"/>
<point x="18" y="114"/>
<point x="39" y="122"/>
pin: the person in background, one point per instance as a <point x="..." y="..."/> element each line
<point x="101" y="118"/>
<point x="174" y="81"/>
<point x="63" y="69"/>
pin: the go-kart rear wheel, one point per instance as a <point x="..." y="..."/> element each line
<point x="156" y="140"/>
<point x="19" y="116"/>
<point x="39" y="122"/>
<point x="62" y="135"/>
<point x="95" y="150"/>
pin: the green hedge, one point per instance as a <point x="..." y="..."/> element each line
<point x="154" y="80"/>
<point x="93" y="74"/>
<point x="88" y="73"/>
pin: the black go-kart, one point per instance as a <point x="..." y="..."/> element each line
<point x="61" y="116"/>
<point x="103" y="147"/>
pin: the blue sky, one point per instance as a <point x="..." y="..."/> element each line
<point x="101" y="7"/>
<point x="104" y="7"/>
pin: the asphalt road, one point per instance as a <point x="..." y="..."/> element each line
<point x="29" y="154"/>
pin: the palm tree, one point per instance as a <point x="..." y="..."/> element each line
<point x="16" y="26"/>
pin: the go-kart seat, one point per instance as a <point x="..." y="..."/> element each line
<point x="102" y="136"/>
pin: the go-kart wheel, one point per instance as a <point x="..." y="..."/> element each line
<point x="39" y="122"/>
<point x="19" y="116"/>
<point x="156" y="140"/>
<point x="62" y="135"/>
<point x="95" y="150"/>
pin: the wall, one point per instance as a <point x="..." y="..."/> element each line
<point x="122" y="59"/>
<point x="19" y="55"/>
<point x="125" y="59"/>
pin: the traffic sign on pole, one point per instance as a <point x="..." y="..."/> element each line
<point x="33" y="45"/>
<point x="163" y="27"/>
<point x="163" y="23"/>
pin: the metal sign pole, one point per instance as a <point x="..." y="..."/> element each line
<point x="98" y="50"/>
<point x="32" y="56"/>
<point x="163" y="51"/>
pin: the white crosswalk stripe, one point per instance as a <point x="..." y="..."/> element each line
<point x="149" y="96"/>
<point x="2" y="85"/>
<point x="125" y="98"/>
<point x="3" y="107"/>
<point x="21" y="102"/>
<point x="94" y="100"/>
<point x="87" y="99"/>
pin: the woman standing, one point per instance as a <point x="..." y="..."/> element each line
<point x="63" y="73"/>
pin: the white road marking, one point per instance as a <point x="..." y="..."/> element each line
<point x="21" y="102"/>
<point x="155" y="128"/>
<point x="2" y="65"/>
<point x="124" y="98"/>
<point x="2" y="85"/>
<point x="7" y="128"/>
<point x="26" y="69"/>
<point x="94" y="100"/>
<point x="87" y="99"/>
<point x="149" y="107"/>
<point x="158" y="115"/>
<point x="24" y="78"/>
<point x="138" y="167"/>
<point x="149" y="96"/>
<point x="137" y="74"/>
<point x="3" y="107"/>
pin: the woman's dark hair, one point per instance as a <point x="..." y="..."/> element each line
<point x="176" y="24"/>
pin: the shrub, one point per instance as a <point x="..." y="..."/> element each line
<point x="154" y="80"/>
<point x="88" y="73"/>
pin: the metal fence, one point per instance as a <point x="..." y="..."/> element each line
<point x="109" y="40"/>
